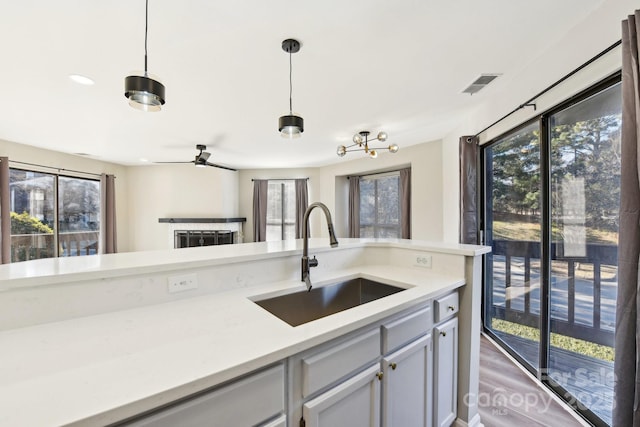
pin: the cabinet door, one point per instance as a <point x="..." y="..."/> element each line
<point x="246" y="402"/>
<point x="280" y="422"/>
<point x="407" y="385"/>
<point x="446" y="372"/>
<point x="353" y="403"/>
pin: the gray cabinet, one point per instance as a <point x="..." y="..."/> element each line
<point x="250" y="401"/>
<point x="446" y="372"/>
<point x="352" y="403"/>
<point x="381" y="375"/>
<point x="407" y="385"/>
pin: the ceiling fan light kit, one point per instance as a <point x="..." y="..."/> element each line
<point x="361" y="143"/>
<point x="291" y="125"/>
<point x="143" y="92"/>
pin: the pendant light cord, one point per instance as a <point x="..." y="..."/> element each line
<point x="290" y="85"/>
<point x="146" y="28"/>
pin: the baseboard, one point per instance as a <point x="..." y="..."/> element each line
<point x="474" y="422"/>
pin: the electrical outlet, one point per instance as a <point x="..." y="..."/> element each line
<point x="423" y="261"/>
<point x="183" y="283"/>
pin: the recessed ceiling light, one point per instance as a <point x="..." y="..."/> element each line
<point x="83" y="80"/>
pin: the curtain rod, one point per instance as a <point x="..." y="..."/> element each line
<point x="278" y="179"/>
<point x="54" y="168"/>
<point x="529" y="102"/>
<point x="375" y="173"/>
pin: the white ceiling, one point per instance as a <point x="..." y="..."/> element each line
<point x="398" y="66"/>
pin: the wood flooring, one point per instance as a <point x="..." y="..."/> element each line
<point x="508" y="397"/>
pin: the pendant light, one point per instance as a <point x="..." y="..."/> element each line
<point x="290" y="126"/>
<point x="143" y="92"/>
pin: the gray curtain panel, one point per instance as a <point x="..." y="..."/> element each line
<point x="302" y="202"/>
<point x="108" y="232"/>
<point x="468" y="189"/>
<point x="354" y="206"/>
<point x="5" y="212"/>
<point x="260" y="189"/>
<point x="626" y="410"/>
<point x="405" y="202"/>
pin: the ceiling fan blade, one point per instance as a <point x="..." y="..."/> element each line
<point x="191" y="161"/>
<point x="221" y="167"/>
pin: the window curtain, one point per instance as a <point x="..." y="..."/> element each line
<point x="626" y="411"/>
<point x="354" y="206"/>
<point x="108" y="233"/>
<point x="5" y="212"/>
<point x="260" y="189"/>
<point x="302" y="201"/>
<point x="405" y="202"/>
<point x="468" y="228"/>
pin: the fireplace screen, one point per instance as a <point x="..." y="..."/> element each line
<point x="193" y="238"/>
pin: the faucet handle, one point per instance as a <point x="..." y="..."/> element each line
<point x="313" y="262"/>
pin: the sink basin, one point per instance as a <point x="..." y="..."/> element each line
<point x="304" y="306"/>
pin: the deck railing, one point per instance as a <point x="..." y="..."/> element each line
<point x="26" y="247"/>
<point x="596" y="255"/>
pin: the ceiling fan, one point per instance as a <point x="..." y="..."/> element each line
<point x="202" y="158"/>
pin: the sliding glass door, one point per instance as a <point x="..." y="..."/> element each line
<point x="513" y="229"/>
<point x="551" y="198"/>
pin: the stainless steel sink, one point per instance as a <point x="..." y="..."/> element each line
<point x="304" y="306"/>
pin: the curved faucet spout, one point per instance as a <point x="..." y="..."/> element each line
<point x="333" y="241"/>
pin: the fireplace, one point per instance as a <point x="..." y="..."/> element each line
<point x="193" y="232"/>
<point x="193" y="238"/>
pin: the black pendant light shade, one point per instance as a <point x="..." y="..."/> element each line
<point x="144" y="93"/>
<point x="290" y="126"/>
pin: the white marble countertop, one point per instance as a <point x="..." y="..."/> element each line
<point x="102" y="368"/>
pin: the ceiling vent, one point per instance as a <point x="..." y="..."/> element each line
<point x="479" y="83"/>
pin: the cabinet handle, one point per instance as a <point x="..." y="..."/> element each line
<point x="393" y="366"/>
<point x="443" y="333"/>
<point x="379" y="375"/>
<point x="452" y="308"/>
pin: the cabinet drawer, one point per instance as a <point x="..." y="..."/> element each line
<point x="245" y="402"/>
<point x="406" y="329"/>
<point x="322" y="369"/>
<point x="446" y="306"/>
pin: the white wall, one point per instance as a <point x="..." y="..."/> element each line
<point x="55" y="159"/>
<point x="176" y="191"/>
<point x="599" y="31"/>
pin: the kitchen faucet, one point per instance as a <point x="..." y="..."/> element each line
<point x="306" y="262"/>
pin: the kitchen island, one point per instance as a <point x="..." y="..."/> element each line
<point x="100" y="339"/>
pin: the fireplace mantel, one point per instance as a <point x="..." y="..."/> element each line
<point x="200" y="220"/>
<point x="203" y="224"/>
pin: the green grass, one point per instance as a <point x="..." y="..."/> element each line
<point x="511" y="230"/>
<point x="585" y="348"/>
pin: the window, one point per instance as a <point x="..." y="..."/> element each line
<point x="281" y="210"/>
<point x="52" y="215"/>
<point x="551" y="200"/>
<point x="380" y="210"/>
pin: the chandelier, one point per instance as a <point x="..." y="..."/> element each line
<point x="361" y="143"/>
